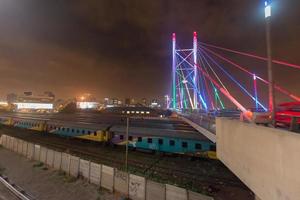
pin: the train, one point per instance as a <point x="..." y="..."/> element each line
<point x="164" y="143"/>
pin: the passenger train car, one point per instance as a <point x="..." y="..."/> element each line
<point x="161" y="140"/>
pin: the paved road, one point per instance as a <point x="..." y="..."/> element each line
<point x="5" y="194"/>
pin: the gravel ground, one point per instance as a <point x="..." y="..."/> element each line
<point x="46" y="184"/>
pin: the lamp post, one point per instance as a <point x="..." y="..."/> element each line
<point x="126" y="154"/>
<point x="269" y="55"/>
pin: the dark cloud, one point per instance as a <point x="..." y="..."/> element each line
<point x="122" y="47"/>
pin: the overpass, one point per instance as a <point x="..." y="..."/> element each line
<point x="265" y="159"/>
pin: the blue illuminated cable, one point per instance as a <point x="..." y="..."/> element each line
<point x="232" y="78"/>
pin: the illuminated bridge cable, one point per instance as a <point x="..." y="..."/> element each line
<point x="252" y="55"/>
<point x="184" y="78"/>
<point x="277" y="87"/>
<point x="201" y="98"/>
<point x="215" y="91"/>
<point x="206" y="85"/>
<point x="232" y="78"/>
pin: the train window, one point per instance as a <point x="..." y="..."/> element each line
<point x="212" y="147"/>
<point x="59" y="128"/>
<point x="149" y="140"/>
<point x="77" y="131"/>
<point x="95" y="133"/>
<point x="160" y="141"/>
<point x="89" y="132"/>
<point x="63" y="129"/>
<point x="198" y="146"/>
<point x="184" y="144"/>
<point x="83" y="131"/>
<point x="172" y="142"/>
<point x="68" y="129"/>
<point x="130" y="138"/>
<point x="72" y="130"/>
<point x="121" y="137"/>
<point x="139" y="139"/>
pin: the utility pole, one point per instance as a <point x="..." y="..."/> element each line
<point x="126" y="154"/>
<point x="269" y="54"/>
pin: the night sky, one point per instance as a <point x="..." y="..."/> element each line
<point x="122" y="48"/>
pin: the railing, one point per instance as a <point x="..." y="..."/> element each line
<point x="18" y="192"/>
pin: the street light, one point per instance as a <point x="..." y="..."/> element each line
<point x="126" y="154"/>
<point x="268" y="8"/>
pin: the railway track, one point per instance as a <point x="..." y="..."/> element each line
<point x="151" y="167"/>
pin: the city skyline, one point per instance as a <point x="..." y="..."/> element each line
<point x="75" y="49"/>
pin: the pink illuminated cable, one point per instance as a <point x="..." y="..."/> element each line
<point x="252" y="56"/>
<point x="277" y="87"/>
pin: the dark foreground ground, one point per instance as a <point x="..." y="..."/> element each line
<point x="202" y="175"/>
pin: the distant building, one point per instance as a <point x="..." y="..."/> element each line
<point x="11" y="98"/>
<point x="144" y="102"/>
<point x="30" y="102"/>
<point x="127" y="102"/>
<point x="87" y="101"/>
<point x="155" y="104"/>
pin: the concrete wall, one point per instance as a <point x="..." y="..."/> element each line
<point x="95" y="173"/>
<point x="267" y="160"/>
<point x="74" y="166"/>
<point x="156" y="191"/>
<point x="50" y="157"/>
<point x="175" y="193"/>
<point x="137" y="187"/>
<point x="84" y="169"/>
<point x="122" y="183"/>
<point x="107" y="177"/>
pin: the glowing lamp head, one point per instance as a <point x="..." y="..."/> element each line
<point x="267" y="8"/>
<point x="195" y="34"/>
<point x="174" y="36"/>
<point x="254" y="77"/>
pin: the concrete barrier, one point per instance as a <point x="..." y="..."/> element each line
<point x="11" y="143"/>
<point x="3" y="141"/>
<point x="175" y="193"/>
<point x="37" y="152"/>
<point x="15" y="143"/>
<point x="74" y="166"/>
<point x="43" y="155"/>
<point x="50" y="157"/>
<point x="20" y="146"/>
<point x="121" y="182"/>
<point x="65" y="162"/>
<point x="156" y="191"/>
<point x="30" y="151"/>
<point x="24" y="148"/>
<point x="197" y="196"/>
<point x="95" y="173"/>
<point x="57" y="160"/>
<point x="265" y="159"/>
<point x="107" y="177"/>
<point x="137" y="187"/>
<point x="84" y="169"/>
